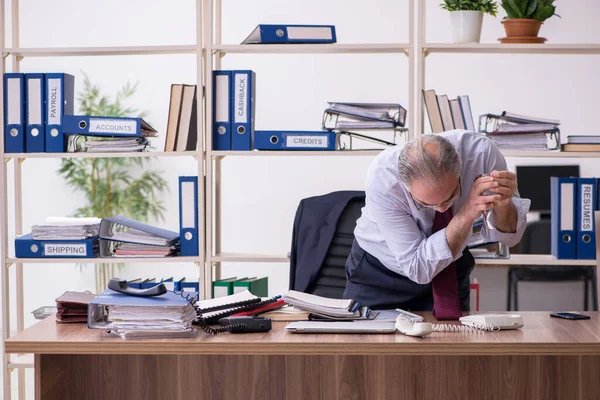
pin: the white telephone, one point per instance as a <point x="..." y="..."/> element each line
<point x="470" y="323"/>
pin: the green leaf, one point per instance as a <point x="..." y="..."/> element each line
<point x="532" y="6"/>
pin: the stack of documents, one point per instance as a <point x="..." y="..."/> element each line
<point x="167" y="315"/>
<point x="90" y="144"/>
<point x="326" y="307"/>
<point x="73" y="306"/>
<point x="345" y="116"/>
<point x="513" y="131"/>
<point x="66" y="228"/>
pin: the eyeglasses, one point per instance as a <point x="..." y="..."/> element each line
<point x="421" y="207"/>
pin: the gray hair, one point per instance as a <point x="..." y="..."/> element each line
<point x="429" y="158"/>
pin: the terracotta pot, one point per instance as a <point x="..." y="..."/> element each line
<point x="521" y="27"/>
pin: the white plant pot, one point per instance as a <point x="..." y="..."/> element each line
<point x="466" y="26"/>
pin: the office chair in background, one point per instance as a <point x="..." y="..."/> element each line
<point x="536" y="240"/>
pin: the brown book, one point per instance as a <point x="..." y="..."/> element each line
<point x="433" y="111"/>
<point x="581" y="147"/>
<point x="187" y="131"/>
<point x="173" y="121"/>
<point x="73" y="306"/>
<point x="446" y="113"/>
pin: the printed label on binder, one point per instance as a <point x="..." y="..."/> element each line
<point x="586" y="207"/>
<point x="65" y="249"/>
<point x="306" y="141"/>
<point x="241" y="81"/>
<point x="116" y="126"/>
<point x="54" y="101"/>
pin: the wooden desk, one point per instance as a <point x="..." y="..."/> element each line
<point x="548" y="358"/>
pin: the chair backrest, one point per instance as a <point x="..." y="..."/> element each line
<point x="331" y="280"/>
<point x="536" y="238"/>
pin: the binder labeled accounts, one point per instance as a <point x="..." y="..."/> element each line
<point x="27" y="247"/>
<point x="280" y="34"/>
<point x="60" y="98"/>
<point x="14" y="112"/>
<point x="294" y="140"/>
<point x="563" y="195"/>
<point x="106" y="126"/>
<point x="586" y="203"/>
<point x="36" y="113"/>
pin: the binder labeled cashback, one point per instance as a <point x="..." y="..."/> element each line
<point x="294" y="140"/>
<point x="106" y="126"/>
<point x="60" y="98"/>
<point x="35" y="113"/>
<point x="281" y="34"/>
<point x="27" y="247"/>
<point x="188" y="215"/>
<point x="243" y="109"/>
<point x="586" y="203"/>
<point x="222" y="110"/>
<point x="563" y="197"/>
<point x="14" y="112"/>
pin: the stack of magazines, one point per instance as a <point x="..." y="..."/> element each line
<point x="344" y="309"/>
<point x="514" y="131"/>
<point x="66" y="228"/>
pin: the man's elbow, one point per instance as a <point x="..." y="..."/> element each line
<point x="418" y="272"/>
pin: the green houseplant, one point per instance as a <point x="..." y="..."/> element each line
<point x="113" y="186"/>
<point x="466" y="17"/>
<point x="524" y="19"/>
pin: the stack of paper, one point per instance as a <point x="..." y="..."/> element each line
<point x="91" y="144"/>
<point x="167" y="315"/>
<point x="66" y="228"/>
<point x="340" y="116"/>
<point x="326" y="307"/>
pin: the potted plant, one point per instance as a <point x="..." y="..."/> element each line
<point x="466" y="17"/>
<point x="524" y="19"/>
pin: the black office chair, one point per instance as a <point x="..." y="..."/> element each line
<point x="536" y="240"/>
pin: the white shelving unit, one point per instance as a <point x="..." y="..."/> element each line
<point x="15" y="55"/>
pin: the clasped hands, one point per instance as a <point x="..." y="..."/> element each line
<point x="489" y="192"/>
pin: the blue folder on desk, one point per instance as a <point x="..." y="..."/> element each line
<point x="294" y="140"/>
<point x="280" y="34"/>
<point x="14" y="112"/>
<point x="27" y="247"/>
<point x="106" y="126"/>
<point x="60" y="98"/>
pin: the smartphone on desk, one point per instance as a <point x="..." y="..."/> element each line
<point x="569" y="315"/>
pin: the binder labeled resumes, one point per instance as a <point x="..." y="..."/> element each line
<point x="243" y="109"/>
<point x="106" y="126"/>
<point x="586" y="203"/>
<point x="14" y="112"/>
<point x="563" y="197"/>
<point x="60" y="98"/>
<point x="35" y="113"/>
<point x="294" y="140"/>
<point x="188" y="216"/>
<point x="222" y="110"/>
<point x="279" y="34"/>
<point x="27" y="247"/>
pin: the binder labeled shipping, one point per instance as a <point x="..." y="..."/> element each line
<point x="188" y="215"/>
<point x="106" y="126"/>
<point x="27" y="247"/>
<point x="280" y="34"/>
<point x="242" y="128"/>
<point x="60" y="98"/>
<point x="222" y="110"/>
<point x="294" y="140"/>
<point x="14" y="112"/>
<point x="563" y="196"/>
<point x="35" y="113"/>
<point x="586" y="203"/>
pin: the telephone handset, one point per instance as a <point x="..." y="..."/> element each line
<point x="470" y="323"/>
<point x="121" y="286"/>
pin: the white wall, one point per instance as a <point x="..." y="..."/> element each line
<point x="260" y="195"/>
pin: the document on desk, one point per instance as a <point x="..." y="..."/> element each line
<point x="327" y="307"/>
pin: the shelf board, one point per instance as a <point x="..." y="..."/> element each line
<point x="373" y="48"/>
<point x="100" y="51"/>
<point x="499" y="48"/>
<point x="533" y="259"/>
<point x="139" y="154"/>
<point x="549" y="154"/>
<point x="108" y="260"/>
<point x="240" y="257"/>
<point x="286" y="153"/>
<point x="23" y="361"/>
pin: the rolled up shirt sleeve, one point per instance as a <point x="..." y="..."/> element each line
<point x="418" y="257"/>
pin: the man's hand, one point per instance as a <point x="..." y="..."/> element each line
<point x="507" y="186"/>
<point x="482" y="197"/>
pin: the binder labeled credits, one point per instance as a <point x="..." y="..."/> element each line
<point x="222" y="110"/>
<point x="294" y="140"/>
<point x="35" y="113"/>
<point x="60" y="96"/>
<point x="27" y="247"/>
<point x="586" y="203"/>
<point x="563" y="197"/>
<point x="243" y="109"/>
<point x="106" y="126"/>
<point x="14" y="112"/>
<point x="188" y="215"/>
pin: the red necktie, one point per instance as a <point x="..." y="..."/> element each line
<point x="446" y="304"/>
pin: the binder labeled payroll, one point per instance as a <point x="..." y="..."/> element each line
<point x="188" y="215"/>
<point x="280" y="34"/>
<point x="60" y="98"/>
<point x="563" y="197"/>
<point x="222" y="110"/>
<point x="106" y="126"/>
<point x="27" y="247"/>
<point x="35" y="140"/>
<point x="586" y="203"/>
<point x="14" y="112"/>
<point x="242" y="128"/>
<point x="294" y="140"/>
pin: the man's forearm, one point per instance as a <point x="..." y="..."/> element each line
<point x="457" y="231"/>
<point x="505" y="218"/>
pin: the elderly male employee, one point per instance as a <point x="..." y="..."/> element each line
<point x="421" y="201"/>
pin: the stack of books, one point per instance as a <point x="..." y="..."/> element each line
<point x="513" y="131"/>
<point x="182" y="124"/>
<point x="582" y="143"/>
<point x="446" y="114"/>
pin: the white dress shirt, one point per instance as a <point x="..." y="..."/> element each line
<point x="393" y="230"/>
